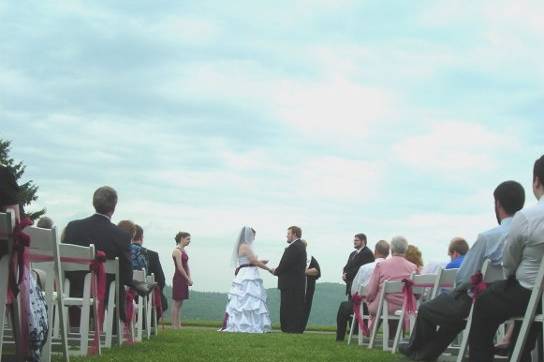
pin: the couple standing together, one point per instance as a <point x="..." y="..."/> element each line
<point x="246" y="309"/>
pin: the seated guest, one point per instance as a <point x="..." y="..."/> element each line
<point x="440" y="320"/>
<point x="394" y="268"/>
<point x="381" y="251"/>
<point x="45" y="223"/>
<point x="137" y="251"/>
<point x="99" y="230"/>
<point x="413" y="255"/>
<point x="313" y="272"/>
<point x="152" y="263"/>
<point x="456" y="251"/>
<point x="502" y="300"/>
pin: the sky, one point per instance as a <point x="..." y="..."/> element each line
<point x="341" y="117"/>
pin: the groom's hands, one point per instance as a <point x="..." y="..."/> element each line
<point x="273" y="271"/>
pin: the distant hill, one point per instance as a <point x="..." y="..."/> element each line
<point x="211" y="305"/>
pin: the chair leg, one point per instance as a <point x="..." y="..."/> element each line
<point x="351" y="329"/>
<point x="108" y="321"/>
<point x="85" y="317"/>
<point x="4" y="269"/>
<point x="385" y="327"/>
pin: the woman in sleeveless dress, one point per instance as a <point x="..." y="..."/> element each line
<point x="246" y="310"/>
<point x="182" y="277"/>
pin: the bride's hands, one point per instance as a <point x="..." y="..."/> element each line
<point x="264" y="261"/>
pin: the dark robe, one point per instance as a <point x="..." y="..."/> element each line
<point x="310" y="290"/>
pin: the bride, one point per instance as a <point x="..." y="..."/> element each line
<point x="246" y="309"/>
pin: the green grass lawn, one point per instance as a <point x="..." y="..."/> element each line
<point x="199" y="344"/>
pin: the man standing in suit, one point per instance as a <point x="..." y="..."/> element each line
<point x="291" y="274"/>
<point x="361" y="256"/>
<point x="107" y="237"/>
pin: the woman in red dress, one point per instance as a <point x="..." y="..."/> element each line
<point x="182" y="277"/>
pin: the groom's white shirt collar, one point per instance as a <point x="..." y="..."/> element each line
<point x="292" y="242"/>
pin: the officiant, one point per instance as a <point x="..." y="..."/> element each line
<point x="313" y="272"/>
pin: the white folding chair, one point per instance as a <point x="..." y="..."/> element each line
<point x="383" y="315"/>
<point x="112" y="316"/>
<point x="44" y="244"/>
<point x="421" y="284"/>
<point x="366" y="318"/>
<point x="6" y="238"/>
<point x="446" y="281"/>
<point x="140" y="307"/>
<point x="85" y="302"/>
<point x="151" y="315"/>
<point x="490" y="273"/>
<point x="530" y="316"/>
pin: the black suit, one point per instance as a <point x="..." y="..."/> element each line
<point x="355" y="261"/>
<point x="155" y="267"/>
<point x="291" y="274"/>
<point x="310" y="290"/>
<point x="105" y="236"/>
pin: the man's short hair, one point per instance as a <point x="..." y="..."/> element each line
<point x="45" y="223"/>
<point x="295" y="230"/>
<point x="399" y="245"/>
<point x="382" y="248"/>
<point x="511" y="196"/>
<point x="361" y="237"/>
<point x="538" y="170"/>
<point x="458" y="245"/>
<point x="104" y="200"/>
<point x="138" y="232"/>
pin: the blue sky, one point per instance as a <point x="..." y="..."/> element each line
<point x="338" y="116"/>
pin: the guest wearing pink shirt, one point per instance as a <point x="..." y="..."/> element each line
<point x="394" y="268"/>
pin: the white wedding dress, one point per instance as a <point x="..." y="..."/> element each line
<point x="246" y="310"/>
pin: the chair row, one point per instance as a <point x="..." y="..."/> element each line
<point x="55" y="259"/>
<point x="426" y="287"/>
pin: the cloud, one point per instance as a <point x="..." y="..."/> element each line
<point x="451" y="147"/>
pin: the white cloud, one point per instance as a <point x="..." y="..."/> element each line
<point x="451" y="147"/>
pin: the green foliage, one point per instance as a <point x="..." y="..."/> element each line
<point x="197" y="344"/>
<point x="28" y="190"/>
<point x="208" y="306"/>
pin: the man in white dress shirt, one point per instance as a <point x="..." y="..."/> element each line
<point x="502" y="300"/>
<point x="381" y="251"/>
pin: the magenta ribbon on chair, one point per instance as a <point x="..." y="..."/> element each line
<point x="409" y="301"/>
<point x="478" y="285"/>
<point x="357" y="299"/>
<point x="129" y="314"/>
<point x="98" y="286"/>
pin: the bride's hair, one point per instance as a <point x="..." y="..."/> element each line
<point x="247" y="236"/>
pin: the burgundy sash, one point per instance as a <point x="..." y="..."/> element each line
<point x="363" y="327"/>
<point x="478" y="285"/>
<point x="129" y="314"/>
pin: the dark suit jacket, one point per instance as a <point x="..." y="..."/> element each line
<point x="355" y="261"/>
<point x="155" y="267"/>
<point x="291" y="271"/>
<point x="105" y="236"/>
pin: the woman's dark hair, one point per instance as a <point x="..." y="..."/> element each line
<point x="511" y="196"/>
<point x="538" y="170"/>
<point x="181" y="235"/>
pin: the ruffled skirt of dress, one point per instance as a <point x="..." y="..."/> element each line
<point x="247" y="310"/>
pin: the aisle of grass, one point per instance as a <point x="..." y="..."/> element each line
<point x="197" y="344"/>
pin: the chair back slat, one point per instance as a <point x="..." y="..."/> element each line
<point x="42" y="241"/>
<point x="491" y="272"/>
<point x="76" y="251"/>
<point x="6" y="225"/>
<point x="138" y="275"/>
<point x="393" y="286"/>
<point x="428" y="280"/>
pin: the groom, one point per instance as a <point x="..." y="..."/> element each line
<point x="292" y="282"/>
